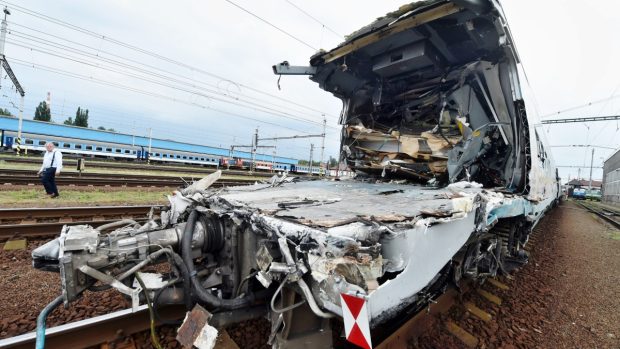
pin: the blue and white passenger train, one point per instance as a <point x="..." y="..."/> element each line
<point x="106" y="144"/>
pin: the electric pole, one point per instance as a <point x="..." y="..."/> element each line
<point x="3" y="33"/>
<point x="321" y="168"/>
<point x="591" y="164"/>
<point x="310" y="163"/>
<point x="148" y="161"/>
<point x="254" y="146"/>
<point x="13" y="78"/>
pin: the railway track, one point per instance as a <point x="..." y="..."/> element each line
<point x="610" y="216"/>
<point x="41" y="222"/>
<point x="203" y="171"/>
<point x="27" y="177"/>
<point x="94" y="331"/>
<point x="113" y="327"/>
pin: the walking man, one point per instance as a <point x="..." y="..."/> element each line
<point x="52" y="164"/>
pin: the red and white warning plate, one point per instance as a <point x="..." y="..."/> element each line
<point x="356" y="324"/>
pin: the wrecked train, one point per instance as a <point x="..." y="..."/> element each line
<point x="452" y="176"/>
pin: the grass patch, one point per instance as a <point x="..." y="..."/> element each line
<point x="187" y="176"/>
<point x="74" y="197"/>
<point x="615" y="235"/>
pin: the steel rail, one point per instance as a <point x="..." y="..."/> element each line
<point x="93" y="331"/>
<point x="33" y="173"/>
<point x="102" y="180"/>
<point x="8" y="231"/>
<point x="69" y="212"/>
<point x="132" y="166"/>
<point x="607" y="218"/>
<point x="29" y="227"/>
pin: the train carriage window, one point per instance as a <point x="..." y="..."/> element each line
<point x="117" y="150"/>
<point x="42" y="142"/>
<point x="157" y="154"/>
<point x="29" y="141"/>
<point x="78" y="146"/>
<point x="89" y="147"/>
<point x="109" y="150"/>
<point x="66" y="145"/>
<point x="99" y="149"/>
<point x="127" y="151"/>
<point x="55" y="144"/>
<point x="184" y="157"/>
<point x="133" y="151"/>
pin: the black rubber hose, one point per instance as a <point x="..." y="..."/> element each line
<point x="200" y="292"/>
<point x="156" y="308"/>
<point x="187" y="282"/>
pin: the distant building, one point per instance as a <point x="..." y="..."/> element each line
<point x="611" y="179"/>
<point x="584" y="183"/>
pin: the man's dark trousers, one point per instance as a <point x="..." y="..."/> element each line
<point x="49" y="180"/>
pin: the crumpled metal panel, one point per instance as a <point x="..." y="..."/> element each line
<point x="334" y="203"/>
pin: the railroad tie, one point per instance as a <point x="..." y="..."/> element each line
<point x="489" y="296"/>
<point x="498" y="284"/>
<point x="477" y="312"/>
<point x="468" y="339"/>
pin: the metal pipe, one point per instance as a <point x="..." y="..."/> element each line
<point x="286" y="252"/>
<point x="148" y="260"/>
<point x="311" y="302"/>
<point x="115" y="224"/>
<point x="41" y="319"/>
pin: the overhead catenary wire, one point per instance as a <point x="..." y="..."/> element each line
<point x="150" y="53"/>
<point x="144" y="92"/>
<point x="272" y="25"/>
<point x="98" y="55"/>
<point x="236" y="102"/>
<point x="313" y="18"/>
<point x="182" y="133"/>
<point x="582" y="105"/>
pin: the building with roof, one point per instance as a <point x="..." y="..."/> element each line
<point x="611" y="179"/>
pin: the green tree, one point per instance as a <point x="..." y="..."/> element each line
<point x="81" y="117"/>
<point x="333" y="162"/>
<point x="69" y="121"/>
<point x="111" y="130"/>
<point x="101" y="128"/>
<point x="43" y="113"/>
<point x="5" y="112"/>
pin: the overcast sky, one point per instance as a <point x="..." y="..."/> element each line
<point x="570" y="52"/>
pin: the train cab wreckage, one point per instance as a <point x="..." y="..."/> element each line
<point x="451" y="176"/>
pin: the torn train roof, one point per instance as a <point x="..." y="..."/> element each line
<point x="325" y="204"/>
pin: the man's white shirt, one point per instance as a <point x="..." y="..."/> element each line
<point x="47" y="160"/>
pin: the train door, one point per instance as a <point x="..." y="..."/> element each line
<point x="8" y="142"/>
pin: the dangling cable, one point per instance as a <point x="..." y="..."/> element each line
<point x="154" y="338"/>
